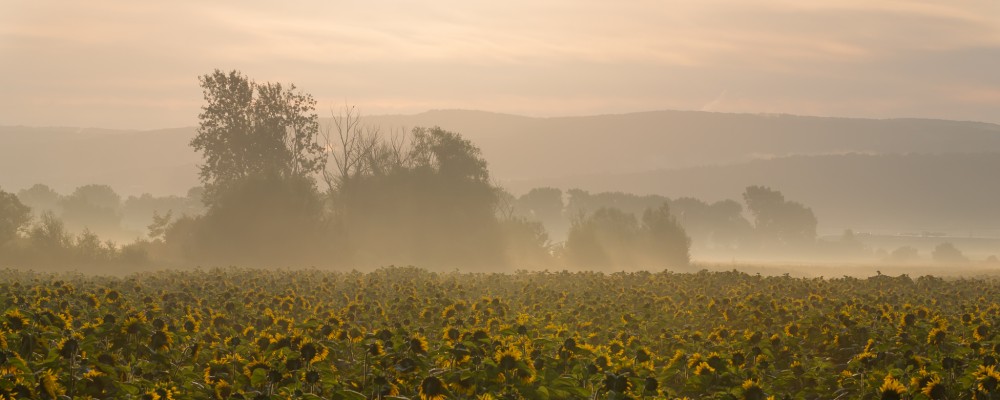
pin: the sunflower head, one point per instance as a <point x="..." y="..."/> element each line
<point x="936" y="336"/>
<point x="14" y="320"/>
<point x="432" y="388"/>
<point x="68" y="347"/>
<point x="160" y="341"/>
<point x="223" y="390"/>
<point x="48" y="383"/>
<point x="987" y="378"/>
<point x="418" y="344"/>
<point x="752" y="390"/>
<point x="933" y="388"/>
<point x="891" y="389"/>
<point x="703" y="369"/>
<point x="507" y="357"/>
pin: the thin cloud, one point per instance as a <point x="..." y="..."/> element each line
<point x="565" y="57"/>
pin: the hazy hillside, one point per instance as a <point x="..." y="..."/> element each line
<point x="675" y="153"/>
<point x="133" y="162"/>
<point x="524" y="148"/>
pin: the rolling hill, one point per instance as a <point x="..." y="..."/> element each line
<point x="860" y="173"/>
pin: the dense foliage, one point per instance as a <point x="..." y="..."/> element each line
<point x="405" y="332"/>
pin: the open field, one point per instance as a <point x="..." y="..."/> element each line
<point x="410" y="333"/>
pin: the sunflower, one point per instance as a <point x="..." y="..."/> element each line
<point x="792" y="329"/>
<point x="704" y="369"/>
<point x="987" y="378"/>
<point x="48" y="383"/>
<point x="160" y="341"/>
<point x="936" y="336"/>
<point x="418" y="344"/>
<point x="163" y="392"/>
<point x="752" y="390"/>
<point x="68" y="347"/>
<point x="15" y="321"/>
<point x="375" y="349"/>
<point x="650" y="385"/>
<point x="384" y="387"/>
<point x="980" y="332"/>
<point x="507" y="357"/>
<point x="133" y="325"/>
<point x="933" y="389"/>
<point x="466" y="386"/>
<point x="431" y="388"/>
<point x="223" y="390"/>
<point x="451" y="334"/>
<point x="891" y="389"/>
<point x="618" y="383"/>
<point x="191" y="324"/>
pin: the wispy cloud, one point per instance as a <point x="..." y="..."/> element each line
<point x="828" y="57"/>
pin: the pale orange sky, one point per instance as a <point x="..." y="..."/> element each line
<point x="129" y="64"/>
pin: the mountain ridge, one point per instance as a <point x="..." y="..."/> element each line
<point x="517" y="148"/>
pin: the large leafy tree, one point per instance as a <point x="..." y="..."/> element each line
<point x="260" y="149"/>
<point x="249" y="129"/>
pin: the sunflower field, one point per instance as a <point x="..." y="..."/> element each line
<point x="407" y="333"/>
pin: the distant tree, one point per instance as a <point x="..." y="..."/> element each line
<point x="49" y="237"/>
<point x="138" y="211"/>
<point x="904" y="254"/>
<point x="40" y="198"/>
<point x="717" y="226"/>
<point x="850" y="244"/>
<point x="612" y="238"/>
<point x="581" y="201"/>
<point x="542" y="204"/>
<point x="158" y="228"/>
<point x="247" y="129"/>
<point x="947" y="253"/>
<point x="604" y="239"/>
<point x="666" y="242"/>
<point x="526" y="243"/>
<point x="730" y="229"/>
<point x="94" y="207"/>
<point x="778" y="220"/>
<point x="14" y="217"/>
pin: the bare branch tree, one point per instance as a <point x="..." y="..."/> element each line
<point x="359" y="150"/>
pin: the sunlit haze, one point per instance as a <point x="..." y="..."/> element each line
<point x="127" y="64"/>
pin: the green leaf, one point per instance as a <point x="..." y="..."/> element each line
<point x="258" y="378"/>
<point x="543" y="393"/>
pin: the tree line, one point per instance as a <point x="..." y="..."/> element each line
<point x="279" y="189"/>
